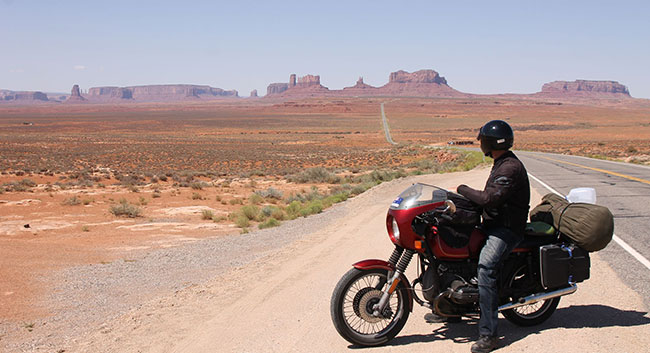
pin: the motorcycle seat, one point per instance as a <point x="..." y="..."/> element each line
<point x="537" y="234"/>
<point x="539" y="229"/>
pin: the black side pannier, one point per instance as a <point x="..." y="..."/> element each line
<point x="561" y="264"/>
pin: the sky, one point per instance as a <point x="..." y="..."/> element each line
<point x="478" y="46"/>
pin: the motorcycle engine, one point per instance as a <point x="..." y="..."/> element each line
<point x="430" y="284"/>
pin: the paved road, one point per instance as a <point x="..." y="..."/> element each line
<point x="386" y="128"/>
<point x="623" y="188"/>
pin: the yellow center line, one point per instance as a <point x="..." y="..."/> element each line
<point x="601" y="170"/>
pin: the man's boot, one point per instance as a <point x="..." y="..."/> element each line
<point x="485" y="344"/>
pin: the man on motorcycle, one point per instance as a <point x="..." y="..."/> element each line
<point x="505" y="202"/>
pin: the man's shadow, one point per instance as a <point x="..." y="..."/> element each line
<point x="577" y="316"/>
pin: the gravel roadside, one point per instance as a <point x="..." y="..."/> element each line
<point x="89" y="296"/>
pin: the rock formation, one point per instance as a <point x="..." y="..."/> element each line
<point x="303" y="86"/>
<point x="422" y="76"/>
<point x="254" y="93"/>
<point x="22" y="96"/>
<point x="110" y="92"/>
<point x="159" y="93"/>
<point x="584" y="88"/>
<point x="75" y="95"/>
<point x="360" y="85"/>
<point x="276" y="88"/>
<point x="308" y="81"/>
<point x="423" y="83"/>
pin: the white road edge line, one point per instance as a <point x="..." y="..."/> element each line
<point x="618" y="240"/>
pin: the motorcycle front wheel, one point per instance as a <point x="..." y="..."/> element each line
<point x="351" y="308"/>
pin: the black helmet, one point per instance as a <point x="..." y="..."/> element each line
<point x="495" y="135"/>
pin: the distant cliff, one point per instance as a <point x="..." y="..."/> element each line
<point x="75" y="95"/>
<point x="158" y="93"/>
<point x="308" y="85"/>
<point x="423" y="83"/>
<point x="22" y="96"/>
<point x="582" y="88"/>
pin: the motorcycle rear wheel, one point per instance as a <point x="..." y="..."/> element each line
<point x="532" y="314"/>
<point x="351" y="308"/>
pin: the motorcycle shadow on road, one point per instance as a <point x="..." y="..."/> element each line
<point x="576" y="317"/>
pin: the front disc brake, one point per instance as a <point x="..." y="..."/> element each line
<point x="366" y="303"/>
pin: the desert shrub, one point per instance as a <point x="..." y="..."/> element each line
<point x="274" y="212"/>
<point x="124" y="208"/>
<point x="198" y="185"/>
<point x="129" y="179"/>
<point x="270" y="193"/>
<point x="271" y="222"/>
<point x="133" y="188"/>
<point x="27" y="182"/>
<point x="87" y="202"/>
<point x="361" y="188"/>
<point x="207" y="214"/>
<point x="17" y="186"/>
<point x="71" y="201"/>
<point x="278" y="214"/>
<point x="313" y="207"/>
<point x="156" y="195"/>
<point x="162" y="178"/>
<point x="236" y="202"/>
<point x="242" y="221"/>
<point x="336" y="198"/>
<point x="295" y="197"/>
<point x="315" y="175"/>
<point x="196" y="196"/>
<point x="250" y="211"/>
<point x="256" y="172"/>
<point x="293" y="209"/>
<point x="85" y="229"/>
<point x="143" y="201"/>
<point x="219" y="218"/>
<point x="255" y="199"/>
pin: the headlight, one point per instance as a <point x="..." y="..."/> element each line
<point x="395" y="229"/>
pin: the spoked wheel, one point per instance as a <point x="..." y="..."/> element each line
<point x="532" y="314"/>
<point x="352" y="308"/>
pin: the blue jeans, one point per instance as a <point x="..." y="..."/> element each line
<point x="499" y="244"/>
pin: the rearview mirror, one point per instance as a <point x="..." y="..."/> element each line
<point x="451" y="207"/>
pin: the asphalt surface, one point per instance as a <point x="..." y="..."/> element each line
<point x="623" y="188"/>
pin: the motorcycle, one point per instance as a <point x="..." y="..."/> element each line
<point x="372" y="301"/>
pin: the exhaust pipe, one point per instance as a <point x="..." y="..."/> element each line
<point x="534" y="298"/>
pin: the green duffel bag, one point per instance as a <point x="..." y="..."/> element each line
<point x="589" y="226"/>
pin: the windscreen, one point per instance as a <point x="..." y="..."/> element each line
<point x="418" y="195"/>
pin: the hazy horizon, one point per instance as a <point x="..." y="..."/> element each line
<point x="482" y="48"/>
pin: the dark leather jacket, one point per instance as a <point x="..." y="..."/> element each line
<point x="506" y="197"/>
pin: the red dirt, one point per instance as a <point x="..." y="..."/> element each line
<point x="229" y="141"/>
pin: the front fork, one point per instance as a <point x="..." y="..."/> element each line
<point x="404" y="258"/>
